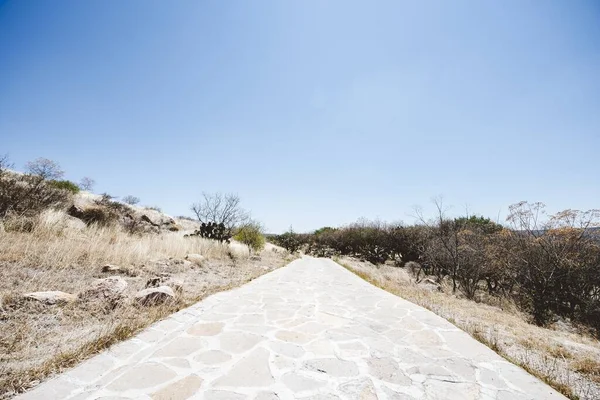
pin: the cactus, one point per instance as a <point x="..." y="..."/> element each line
<point x="213" y="230"/>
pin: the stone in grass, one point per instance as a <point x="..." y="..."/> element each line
<point x="195" y="258"/>
<point x="155" y="295"/>
<point x="109" y="289"/>
<point x="112" y="268"/>
<point x="156" y="281"/>
<point x="51" y="297"/>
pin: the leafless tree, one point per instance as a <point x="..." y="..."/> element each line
<point x="45" y="169"/>
<point x="221" y="208"/>
<point x="87" y="183"/>
<point x="131" y="200"/>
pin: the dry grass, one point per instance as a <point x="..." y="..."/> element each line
<point x="37" y="340"/>
<point x="568" y="361"/>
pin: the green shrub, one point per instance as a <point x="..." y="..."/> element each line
<point x="65" y="185"/>
<point x="251" y="235"/>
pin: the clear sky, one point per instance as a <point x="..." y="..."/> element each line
<point x="315" y="112"/>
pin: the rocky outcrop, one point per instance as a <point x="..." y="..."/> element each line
<point x="155" y="295"/>
<point x="51" y="297"/>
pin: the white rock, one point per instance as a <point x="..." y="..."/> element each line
<point x="195" y="258"/>
<point x="51" y="297"/>
<point x="155" y="295"/>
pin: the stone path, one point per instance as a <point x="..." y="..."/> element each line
<point x="310" y="330"/>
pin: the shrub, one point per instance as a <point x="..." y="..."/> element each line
<point x="65" y="185"/>
<point x="131" y="200"/>
<point x="87" y="183"/>
<point x="212" y="231"/>
<point x="290" y="241"/>
<point x="99" y="215"/>
<point x="251" y="234"/>
<point x="31" y="193"/>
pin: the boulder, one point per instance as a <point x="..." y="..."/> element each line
<point x="147" y="219"/>
<point x="110" y="289"/>
<point x="155" y="295"/>
<point x="76" y="211"/>
<point x="51" y="297"/>
<point x="195" y="258"/>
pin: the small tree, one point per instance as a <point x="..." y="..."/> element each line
<point x="87" y="184"/>
<point x="45" y="169"/>
<point x="131" y="200"/>
<point x="251" y="234"/>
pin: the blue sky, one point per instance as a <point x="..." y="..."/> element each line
<point x="315" y="112"/>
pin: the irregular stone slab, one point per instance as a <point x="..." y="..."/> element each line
<point x="387" y="370"/>
<point x="206" y="329"/>
<point x="287" y="349"/>
<point x="293" y="337"/>
<point x="299" y="383"/>
<point x="238" y="342"/>
<point x="213" y="357"/>
<point x="267" y="396"/>
<point x="332" y="367"/>
<point x="181" y="347"/>
<point x="223" y="395"/>
<point x="362" y="389"/>
<point x="143" y="376"/>
<point x="179" y="390"/>
<point x="252" y="371"/>
<point x="156" y="295"/>
<point x="444" y="390"/>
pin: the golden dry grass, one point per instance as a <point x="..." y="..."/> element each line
<point x="568" y="361"/>
<point x="37" y="340"/>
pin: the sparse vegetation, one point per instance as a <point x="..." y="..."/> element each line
<point x="549" y="268"/>
<point x="65" y="185"/>
<point x="53" y="238"/>
<point x="131" y="200"/>
<point x="87" y="183"/>
<point x="32" y="192"/>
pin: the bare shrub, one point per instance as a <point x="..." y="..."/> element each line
<point x="87" y="183"/>
<point x="33" y="192"/>
<point x="131" y="200"/>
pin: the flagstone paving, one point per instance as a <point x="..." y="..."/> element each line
<point x="310" y="330"/>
